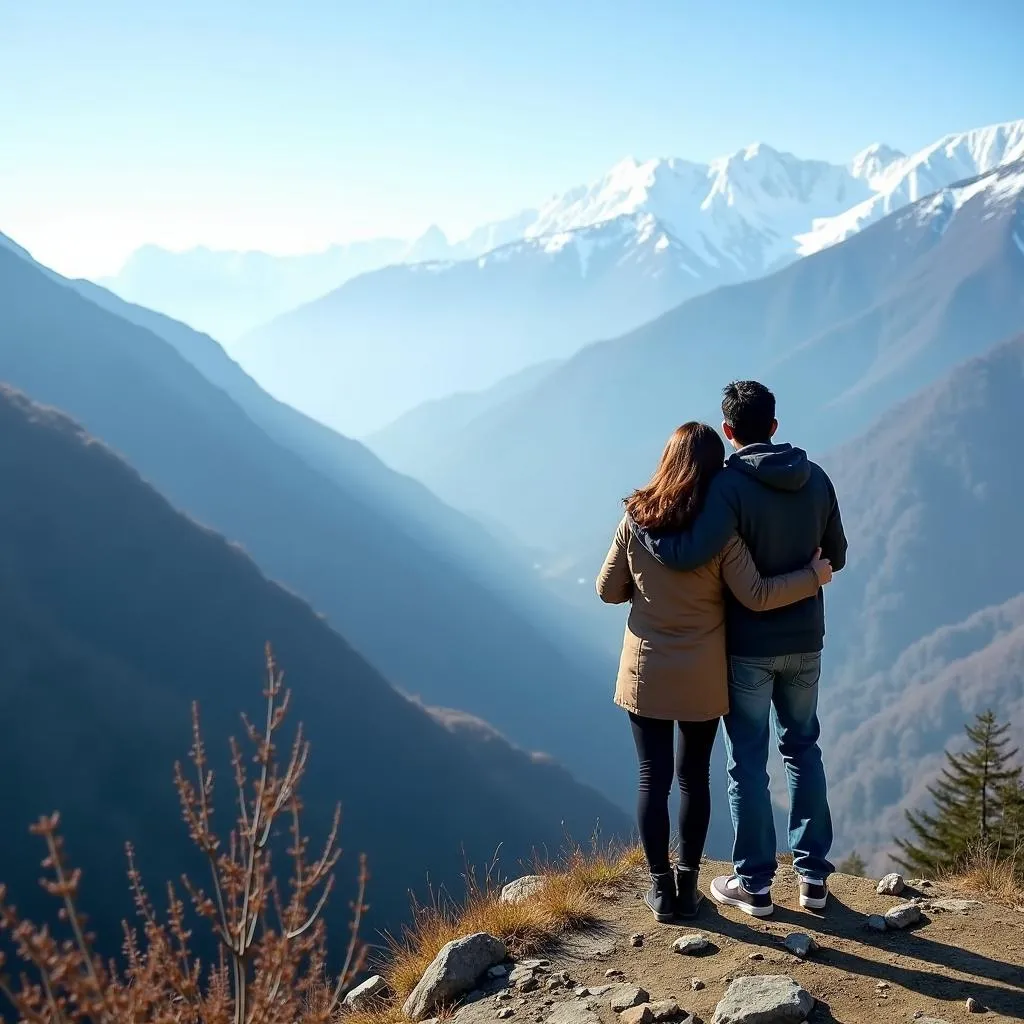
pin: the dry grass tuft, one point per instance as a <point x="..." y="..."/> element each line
<point x="568" y="901"/>
<point x="989" y="874"/>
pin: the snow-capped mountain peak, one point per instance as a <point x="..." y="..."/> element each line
<point x="951" y="159"/>
<point x="872" y="163"/>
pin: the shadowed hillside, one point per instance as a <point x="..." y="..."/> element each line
<point x="116" y="611"/>
<point x="927" y="620"/>
<point x="425" y="622"/>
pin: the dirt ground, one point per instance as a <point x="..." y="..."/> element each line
<point x="856" y="975"/>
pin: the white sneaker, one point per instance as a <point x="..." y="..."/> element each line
<point x="728" y="889"/>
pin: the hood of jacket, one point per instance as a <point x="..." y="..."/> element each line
<point x="779" y="466"/>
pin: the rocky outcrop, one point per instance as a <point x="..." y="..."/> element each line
<point x="764" y="999"/>
<point x="370" y="991"/>
<point x="454" y="971"/>
<point x="522" y="888"/>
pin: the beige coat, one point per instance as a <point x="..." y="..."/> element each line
<point x="673" y="661"/>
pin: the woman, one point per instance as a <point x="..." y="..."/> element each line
<point x="673" y="666"/>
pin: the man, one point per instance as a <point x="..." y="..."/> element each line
<point x="784" y="507"/>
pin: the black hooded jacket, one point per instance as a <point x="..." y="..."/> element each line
<point x="784" y="507"/>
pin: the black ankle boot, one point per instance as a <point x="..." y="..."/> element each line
<point x="661" y="897"/>
<point x="687" y="894"/>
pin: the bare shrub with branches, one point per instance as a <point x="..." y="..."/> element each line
<point x="272" y="964"/>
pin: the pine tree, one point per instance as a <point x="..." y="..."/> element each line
<point x="1011" y="831"/>
<point x="853" y="865"/>
<point x="968" y="797"/>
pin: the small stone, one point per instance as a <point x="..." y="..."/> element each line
<point x="882" y="986"/>
<point x="636" y="940"/>
<point x="530" y="984"/>
<point x="764" y="999"/>
<point x="580" y="991"/>
<point x="505" y="1013"/>
<point x="627" y="996"/>
<point x="800" y="944"/>
<point x="756" y="956"/>
<point x="902" y="916"/>
<point x="637" y="1015"/>
<point x="600" y="990"/>
<point x="922" y="1019"/>
<point x="877" y="923"/>
<point x="498" y="971"/>
<point x="690" y="944"/>
<point x="613" y="972"/>
<point x="891" y="885"/>
<point x="973" y="1006"/>
<point x="553" y="984"/>
<point x="522" y="888"/>
<point x="366" y="993"/>
<point x="503" y="996"/>
<point x="696" y="984"/>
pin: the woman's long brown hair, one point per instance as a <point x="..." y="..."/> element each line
<point x="692" y="457"/>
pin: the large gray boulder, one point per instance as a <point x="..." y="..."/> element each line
<point x="455" y="971"/>
<point x="768" y="999"/>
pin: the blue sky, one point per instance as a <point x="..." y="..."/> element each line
<point x="287" y="126"/>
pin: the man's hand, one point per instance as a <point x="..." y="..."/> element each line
<point x="822" y="568"/>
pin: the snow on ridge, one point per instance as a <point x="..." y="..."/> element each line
<point x="740" y="214"/>
<point x="952" y="158"/>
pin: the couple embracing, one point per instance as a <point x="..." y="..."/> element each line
<point x="723" y="566"/>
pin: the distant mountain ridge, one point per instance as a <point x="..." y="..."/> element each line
<point x="592" y="264"/>
<point x="371" y="550"/>
<point x="840" y="336"/>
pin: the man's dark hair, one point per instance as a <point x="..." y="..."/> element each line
<point x="749" y="408"/>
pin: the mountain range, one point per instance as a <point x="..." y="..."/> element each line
<point x="592" y="264"/>
<point x="865" y="345"/>
<point x="227" y="293"/>
<point x="118" y="611"/>
<point x="456" y="602"/>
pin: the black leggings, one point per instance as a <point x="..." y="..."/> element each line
<point x="653" y="738"/>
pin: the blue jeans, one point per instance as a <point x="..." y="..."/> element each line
<point x="789" y="683"/>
